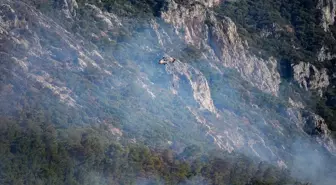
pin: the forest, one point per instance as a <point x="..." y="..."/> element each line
<point x="35" y="151"/>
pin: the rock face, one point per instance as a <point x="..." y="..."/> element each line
<point x="222" y="42"/>
<point x="324" y="55"/>
<point x="68" y="7"/>
<point x="27" y="46"/>
<point x="309" y="77"/>
<point x="198" y="82"/>
<point x="9" y="18"/>
<point x="328" y="8"/>
<point x="314" y="125"/>
<point x="85" y="77"/>
<point x="198" y="27"/>
<point x="109" y="20"/>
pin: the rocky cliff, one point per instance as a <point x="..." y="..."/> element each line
<point x="328" y="13"/>
<point x="91" y="63"/>
<point x="220" y="38"/>
<point x="309" y="77"/>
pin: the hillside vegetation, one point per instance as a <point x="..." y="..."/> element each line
<point x="292" y="32"/>
<point x="44" y="142"/>
<point x="34" y="151"/>
<point x="289" y="30"/>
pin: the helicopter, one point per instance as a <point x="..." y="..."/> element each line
<point x="166" y="59"/>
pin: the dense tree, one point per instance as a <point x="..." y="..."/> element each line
<point x="33" y="151"/>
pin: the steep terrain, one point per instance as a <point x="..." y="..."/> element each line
<point x="73" y="64"/>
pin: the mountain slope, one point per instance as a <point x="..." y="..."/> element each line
<point x="94" y="63"/>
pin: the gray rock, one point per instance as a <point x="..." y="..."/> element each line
<point x="313" y="125"/>
<point x="311" y="78"/>
<point x="324" y="55"/>
<point x="222" y="43"/>
<point x="316" y="126"/>
<point x="328" y="8"/>
<point x="8" y="17"/>
<point x="68" y="7"/>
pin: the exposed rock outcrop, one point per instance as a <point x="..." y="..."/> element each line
<point x="8" y="17"/>
<point x="328" y="8"/>
<point x="97" y="81"/>
<point x="107" y="20"/>
<point x="315" y="126"/>
<point x="324" y="55"/>
<point x="232" y="53"/>
<point x="68" y="7"/>
<point x="199" y="27"/>
<point x="295" y="104"/>
<point x="311" y="78"/>
<point x="37" y="44"/>
<point x="197" y="81"/>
